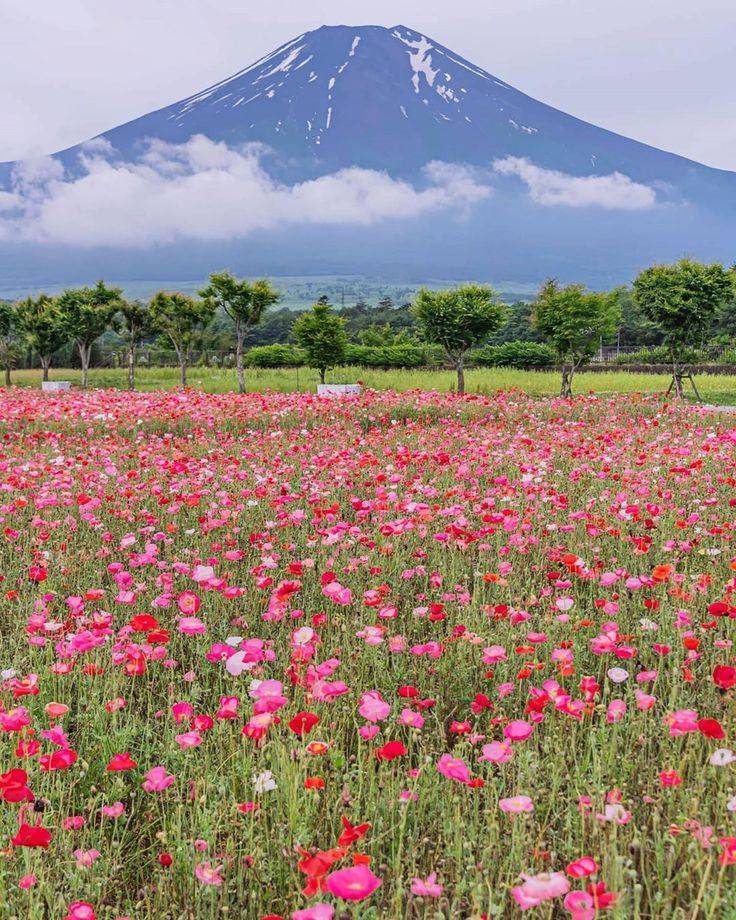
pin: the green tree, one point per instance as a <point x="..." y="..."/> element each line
<point x="182" y="319"/>
<point x="458" y="319"/>
<point x="683" y="300"/>
<point x="43" y="326"/>
<point x="574" y="321"/>
<point x="245" y="302"/>
<point x="134" y="325"/>
<point x="322" y="336"/>
<point x="87" y="314"/>
<point x="8" y="338"/>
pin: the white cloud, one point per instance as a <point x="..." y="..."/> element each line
<point x="208" y="191"/>
<point x="550" y="187"/>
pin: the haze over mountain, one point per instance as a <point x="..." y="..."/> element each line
<point x="365" y="150"/>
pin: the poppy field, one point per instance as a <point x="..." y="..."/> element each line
<point x="397" y="655"/>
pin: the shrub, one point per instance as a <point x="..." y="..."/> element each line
<point x="520" y="355"/>
<point x="386" y="356"/>
<point x="658" y="354"/>
<point x="275" y="356"/>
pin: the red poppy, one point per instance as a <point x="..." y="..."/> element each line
<point x="711" y="728"/>
<point x="121" y="762"/>
<point x="391" y="750"/>
<point x="31" y="836"/>
<point x="303" y="723"/>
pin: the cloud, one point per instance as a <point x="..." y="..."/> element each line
<point x="549" y="187"/>
<point x="204" y="190"/>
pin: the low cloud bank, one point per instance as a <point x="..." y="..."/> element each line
<point x="551" y="188"/>
<point x="204" y="190"/>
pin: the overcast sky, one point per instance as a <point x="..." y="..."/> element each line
<point x="661" y="71"/>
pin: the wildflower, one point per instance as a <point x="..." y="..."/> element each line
<point x="536" y="889"/>
<point x="426" y="888"/>
<point x="264" y="782"/>
<point x="516" y="805"/>
<point x="352" y="884"/>
<point x="157" y="779"/>
<point x="208" y="874"/>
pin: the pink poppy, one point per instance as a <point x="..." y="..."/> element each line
<point x="352" y="884"/>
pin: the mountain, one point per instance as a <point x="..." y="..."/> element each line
<point x="569" y="197"/>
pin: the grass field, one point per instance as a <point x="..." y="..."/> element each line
<point x="395" y="656"/>
<point x="717" y="389"/>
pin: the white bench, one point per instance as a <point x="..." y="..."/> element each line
<point x="56" y="386"/>
<point x="338" y="389"/>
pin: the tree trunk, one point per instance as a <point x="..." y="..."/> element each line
<point x="239" y="336"/>
<point x="322" y="372"/>
<point x="45" y="364"/>
<point x="566" y="385"/>
<point x="84" y="355"/>
<point x="7" y="373"/>
<point x="182" y="365"/>
<point x="131" y="367"/>
<point x="460" y="377"/>
<point x="676" y="375"/>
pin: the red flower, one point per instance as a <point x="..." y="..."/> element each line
<point x="303" y="723"/>
<point x="13" y="786"/>
<point x="143" y="622"/>
<point x="724" y="676"/>
<point x="351" y="833"/>
<point x="31" y="836"/>
<point x="59" y="760"/>
<point x="121" y="762"/>
<point x="711" y="728"/>
<point x="391" y="750"/>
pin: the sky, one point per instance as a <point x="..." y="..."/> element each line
<point x="661" y="71"/>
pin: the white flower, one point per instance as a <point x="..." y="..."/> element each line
<point x="618" y="675"/>
<point x="264" y="782"/>
<point x="722" y="758"/>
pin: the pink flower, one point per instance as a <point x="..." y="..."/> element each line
<point x="157" y="779"/>
<point x="113" y="811"/>
<point x="539" y="888"/>
<point x="80" y="910"/>
<point x="373" y="707"/>
<point x="27" y="881"/>
<point x="497" y="752"/>
<point x="580" y="905"/>
<point x="426" y="888"/>
<point x="516" y="805"/>
<point x="616" y="711"/>
<point x="337" y="593"/>
<point x="454" y="768"/>
<point x="320" y="911"/>
<point x="191" y="626"/>
<point x="208" y="874"/>
<point x="518" y="730"/>
<point x="85" y="858"/>
<point x="352" y="884"/>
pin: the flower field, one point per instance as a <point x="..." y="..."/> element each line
<point x="399" y="655"/>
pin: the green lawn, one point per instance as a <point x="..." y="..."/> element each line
<point x="720" y="389"/>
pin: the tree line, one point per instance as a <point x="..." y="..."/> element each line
<point x="676" y="305"/>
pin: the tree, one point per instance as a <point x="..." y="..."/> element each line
<point x="458" y="319"/>
<point x="133" y="326"/>
<point x="42" y="323"/>
<point x="181" y="318"/>
<point x="574" y="321"/>
<point x="322" y="336"/>
<point x="87" y="313"/>
<point x="683" y="300"/>
<point x="8" y="338"/>
<point x="245" y="303"/>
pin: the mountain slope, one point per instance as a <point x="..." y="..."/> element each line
<point x="393" y="99"/>
<point x="550" y="194"/>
